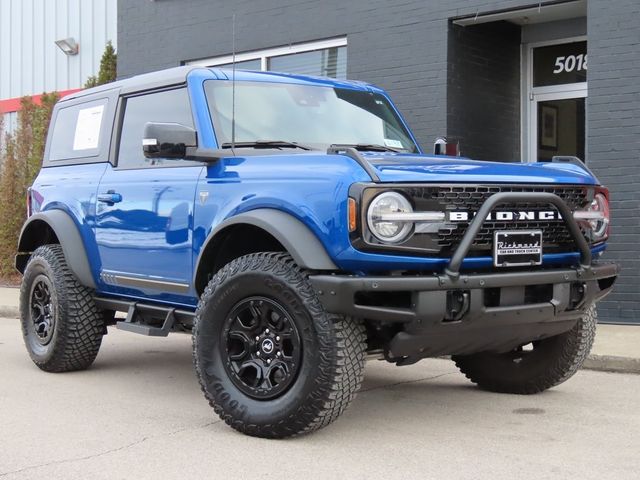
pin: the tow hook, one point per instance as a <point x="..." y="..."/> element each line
<point x="577" y="295"/>
<point x="457" y="305"/>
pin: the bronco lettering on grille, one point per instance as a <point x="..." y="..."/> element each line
<point x="508" y="216"/>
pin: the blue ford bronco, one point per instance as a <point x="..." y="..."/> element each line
<point x="294" y="227"/>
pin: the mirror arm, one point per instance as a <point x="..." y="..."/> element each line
<point x="208" y="155"/>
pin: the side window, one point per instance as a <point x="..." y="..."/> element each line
<point x="166" y="106"/>
<point x="78" y="131"/>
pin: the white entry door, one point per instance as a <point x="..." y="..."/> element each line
<point x="557" y="94"/>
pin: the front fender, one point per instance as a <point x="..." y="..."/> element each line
<point x="305" y="248"/>
<point x="66" y="231"/>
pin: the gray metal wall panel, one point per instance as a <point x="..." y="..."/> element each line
<point x="31" y="63"/>
<point x="9" y="122"/>
<point x="613" y="107"/>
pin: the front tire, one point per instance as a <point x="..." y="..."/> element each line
<point x="61" y="326"/>
<point x="269" y="359"/>
<point x="545" y="364"/>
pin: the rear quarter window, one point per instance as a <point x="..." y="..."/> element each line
<point x="78" y="131"/>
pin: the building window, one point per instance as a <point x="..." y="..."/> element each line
<point x="325" y="58"/>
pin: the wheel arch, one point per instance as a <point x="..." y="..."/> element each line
<point x="55" y="226"/>
<point x="269" y="230"/>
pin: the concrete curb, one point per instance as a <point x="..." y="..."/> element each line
<point x="610" y="363"/>
<point x="603" y="363"/>
<point x="9" y="311"/>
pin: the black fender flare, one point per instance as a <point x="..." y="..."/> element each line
<point x="299" y="241"/>
<point x="69" y="237"/>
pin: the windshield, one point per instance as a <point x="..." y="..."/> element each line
<point x="309" y="115"/>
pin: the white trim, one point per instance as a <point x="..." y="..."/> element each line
<point x="524" y="107"/>
<point x="558" y="41"/>
<point x="527" y="15"/>
<point x="536" y="94"/>
<point x="265" y="54"/>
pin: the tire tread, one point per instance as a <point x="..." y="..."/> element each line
<point x="79" y="322"/>
<point x="574" y="347"/>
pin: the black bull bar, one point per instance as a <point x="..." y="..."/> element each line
<point x="453" y="269"/>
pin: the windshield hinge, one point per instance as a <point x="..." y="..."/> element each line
<point x="357" y="156"/>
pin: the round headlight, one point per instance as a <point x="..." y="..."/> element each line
<point x="382" y="220"/>
<point x="599" y="227"/>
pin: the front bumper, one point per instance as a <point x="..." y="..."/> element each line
<point x="465" y="314"/>
<point x="454" y="313"/>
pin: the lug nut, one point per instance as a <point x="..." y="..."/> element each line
<point x="266" y="331"/>
<point x="258" y="353"/>
<point x="279" y="354"/>
<point x="277" y="339"/>
<point x="268" y="361"/>
<point x="257" y="338"/>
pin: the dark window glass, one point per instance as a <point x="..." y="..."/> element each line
<point x="255" y="64"/>
<point x="561" y="128"/>
<point x="171" y="106"/>
<point x="560" y="64"/>
<point x="78" y="131"/>
<point x="328" y="62"/>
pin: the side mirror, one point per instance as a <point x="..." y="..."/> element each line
<point x="442" y="146"/>
<point x="168" y="140"/>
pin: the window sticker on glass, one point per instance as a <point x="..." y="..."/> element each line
<point x="88" y="128"/>
<point x="390" y="142"/>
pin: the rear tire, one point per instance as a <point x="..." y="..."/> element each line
<point x="61" y="326"/>
<point x="270" y="360"/>
<point x="550" y="362"/>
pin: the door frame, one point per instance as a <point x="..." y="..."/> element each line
<point x="529" y="145"/>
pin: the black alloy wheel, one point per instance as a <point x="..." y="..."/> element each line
<point x="42" y="311"/>
<point x="270" y="360"/>
<point x="263" y="348"/>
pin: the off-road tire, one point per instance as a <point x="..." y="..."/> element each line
<point x="332" y="358"/>
<point x="78" y="324"/>
<point x="551" y="362"/>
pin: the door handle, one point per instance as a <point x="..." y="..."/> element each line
<point x="110" y="197"/>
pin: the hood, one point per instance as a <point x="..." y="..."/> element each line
<point x="392" y="167"/>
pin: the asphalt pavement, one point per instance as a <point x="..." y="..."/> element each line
<point x="139" y="413"/>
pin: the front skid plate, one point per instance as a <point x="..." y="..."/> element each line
<point x="425" y="332"/>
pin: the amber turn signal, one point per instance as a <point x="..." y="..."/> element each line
<point x="352" y="215"/>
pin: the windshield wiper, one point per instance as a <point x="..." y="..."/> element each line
<point x="266" y="144"/>
<point x="372" y="147"/>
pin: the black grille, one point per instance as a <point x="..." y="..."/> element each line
<point x="469" y="198"/>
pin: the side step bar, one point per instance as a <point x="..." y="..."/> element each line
<point x="137" y="312"/>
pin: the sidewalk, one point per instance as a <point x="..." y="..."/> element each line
<point x="616" y="349"/>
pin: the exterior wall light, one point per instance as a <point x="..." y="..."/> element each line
<point x="68" y="45"/>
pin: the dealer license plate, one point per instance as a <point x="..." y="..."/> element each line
<point x="513" y="248"/>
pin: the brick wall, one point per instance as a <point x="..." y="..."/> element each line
<point x="613" y="123"/>
<point x="483" y="92"/>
